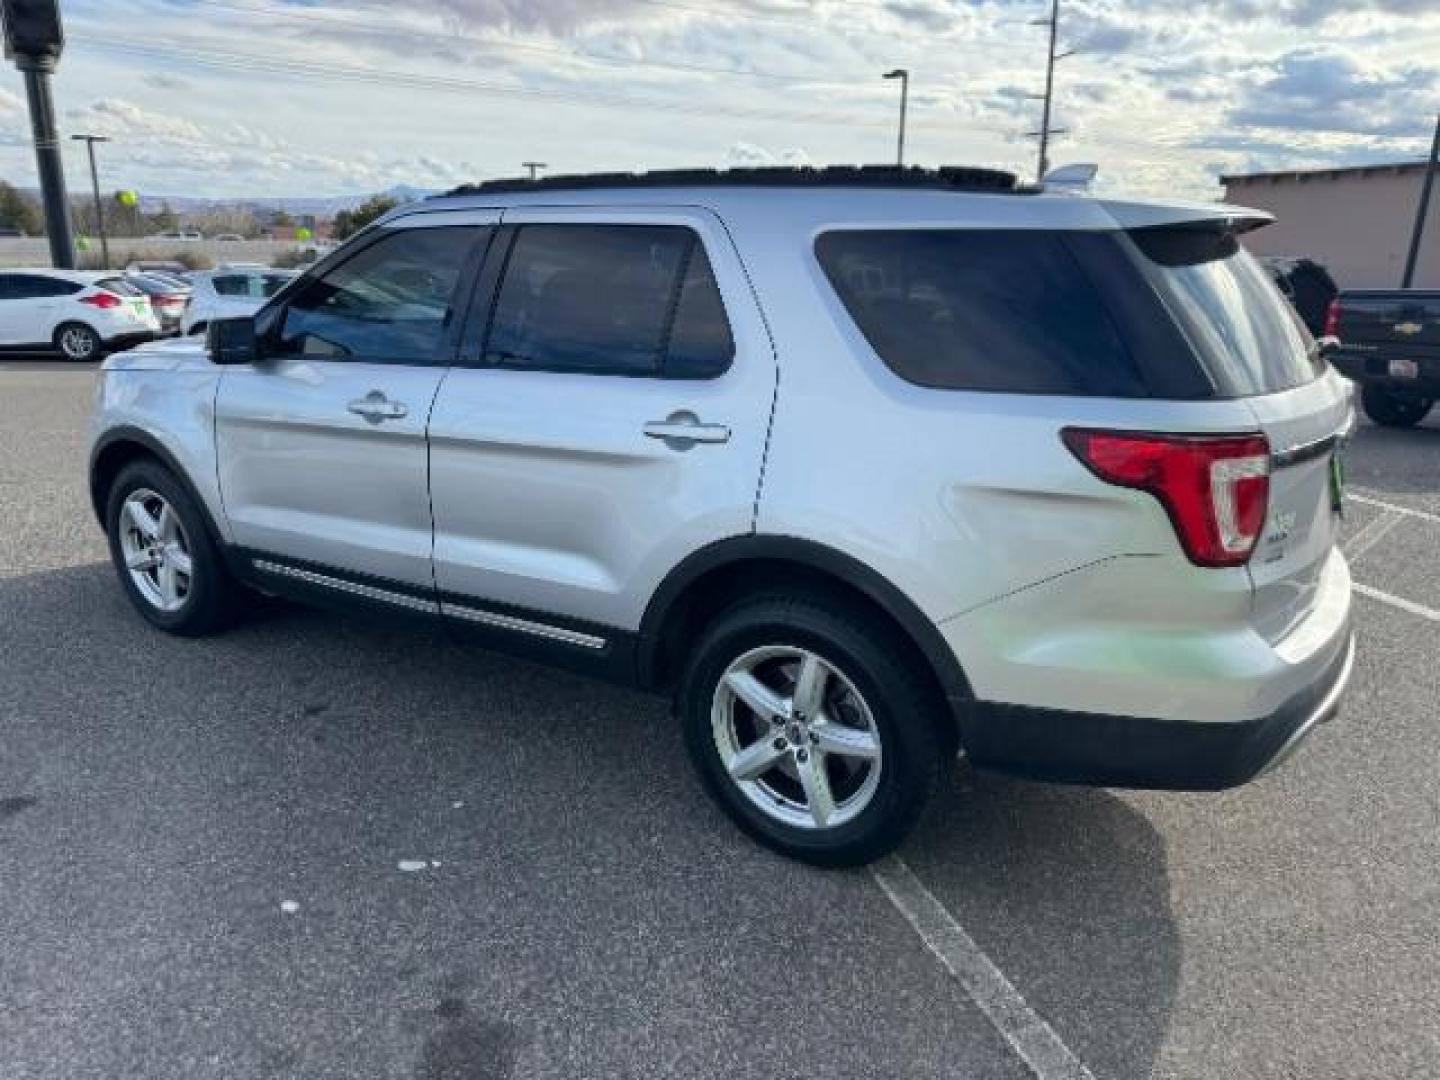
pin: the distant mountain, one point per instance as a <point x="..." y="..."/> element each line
<point x="318" y="205"/>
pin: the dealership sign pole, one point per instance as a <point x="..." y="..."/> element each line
<point x="33" y="39"/>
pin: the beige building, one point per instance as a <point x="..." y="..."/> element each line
<point x="1356" y="221"/>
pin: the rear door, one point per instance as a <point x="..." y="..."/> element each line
<point x="608" y="419"/>
<point x="1257" y="350"/>
<point x="322" y="451"/>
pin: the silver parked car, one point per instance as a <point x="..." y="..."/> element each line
<point x="863" y="467"/>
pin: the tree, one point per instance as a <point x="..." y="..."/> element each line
<point x="123" y="217"/>
<point x="348" y="222"/>
<point x="164" y="219"/>
<point x="281" y="220"/>
<point x="20" y="211"/>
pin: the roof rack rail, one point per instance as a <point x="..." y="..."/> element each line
<point x="944" y="178"/>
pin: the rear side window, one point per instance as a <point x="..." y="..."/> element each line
<point x="610" y="300"/>
<point x="231" y="285"/>
<point x="37" y="287"/>
<point x="998" y="310"/>
<point x="1247" y="334"/>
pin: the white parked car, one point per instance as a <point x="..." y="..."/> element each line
<point x="229" y="292"/>
<point x="78" y="314"/>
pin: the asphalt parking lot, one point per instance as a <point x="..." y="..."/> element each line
<point x="201" y="848"/>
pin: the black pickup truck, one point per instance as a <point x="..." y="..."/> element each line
<point x="1389" y="343"/>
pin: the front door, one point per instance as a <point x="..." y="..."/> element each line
<point x="608" y="417"/>
<point x="322" y="445"/>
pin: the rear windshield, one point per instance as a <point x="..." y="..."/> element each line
<point x="999" y="310"/>
<point x="1248" y="336"/>
<point x="118" y="286"/>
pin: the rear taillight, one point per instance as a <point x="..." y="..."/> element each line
<point x="1216" y="488"/>
<point x="102" y="300"/>
<point x="1332" y="318"/>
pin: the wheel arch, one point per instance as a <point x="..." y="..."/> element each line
<point x="120" y="446"/>
<point x="708" y="580"/>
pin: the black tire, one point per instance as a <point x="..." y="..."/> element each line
<point x="77" y="342"/>
<point x="908" y="718"/>
<point x="1391" y="408"/>
<point x="213" y="599"/>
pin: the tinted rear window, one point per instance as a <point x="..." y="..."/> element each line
<point x="1247" y="334"/>
<point x="118" y="286"/>
<point x="997" y="310"/>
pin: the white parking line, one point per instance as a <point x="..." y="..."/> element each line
<point x="1370" y="500"/>
<point x="1024" y="1029"/>
<point x="1397" y="601"/>
<point x="1371" y="534"/>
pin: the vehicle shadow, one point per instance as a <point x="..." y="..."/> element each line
<point x="486" y="863"/>
<point x="1066" y="889"/>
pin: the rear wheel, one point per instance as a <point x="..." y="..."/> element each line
<point x="163" y="552"/>
<point x="78" y="342"/>
<point x="1393" y="408"/>
<point x="812" y="731"/>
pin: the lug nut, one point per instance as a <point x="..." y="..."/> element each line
<point x="814" y="738"/>
<point x="802" y="756"/>
<point x="779" y="744"/>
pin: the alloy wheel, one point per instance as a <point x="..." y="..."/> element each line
<point x="156" y="550"/>
<point x="796" y="737"/>
<point x="77" y="343"/>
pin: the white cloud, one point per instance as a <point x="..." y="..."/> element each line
<point x="435" y="92"/>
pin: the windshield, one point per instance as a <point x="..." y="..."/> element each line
<point x="1229" y="307"/>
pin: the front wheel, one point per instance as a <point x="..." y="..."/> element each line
<point x="168" y="564"/>
<point x="1391" y="408"/>
<point x="811" y="730"/>
<point x="78" y="342"/>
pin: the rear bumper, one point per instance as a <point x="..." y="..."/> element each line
<point x="1373" y="366"/>
<point x="1135" y="752"/>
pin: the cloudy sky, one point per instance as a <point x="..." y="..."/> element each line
<point x="292" y="97"/>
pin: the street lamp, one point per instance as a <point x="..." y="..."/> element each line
<point x="534" y="167"/>
<point x="90" y="141"/>
<point x="904" y="76"/>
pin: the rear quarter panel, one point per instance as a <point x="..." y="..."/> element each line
<point x="958" y="498"/>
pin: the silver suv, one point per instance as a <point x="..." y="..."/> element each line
<point x="864" y="467"/>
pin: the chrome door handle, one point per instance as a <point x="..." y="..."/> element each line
<point x="375" y="407"/>
<point x="683" y="430"/>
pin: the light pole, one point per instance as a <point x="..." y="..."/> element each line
<point x="34" y="39"/>
<point x="1422" y="210"/>
<point x="90" y="141"/>
<point x="904" y="76"/>
<point x="534" y="167"/>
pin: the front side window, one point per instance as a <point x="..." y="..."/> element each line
<point x="389" y="303"/>
<point x="1000" y="310"/>
<point x="610" y="299"/>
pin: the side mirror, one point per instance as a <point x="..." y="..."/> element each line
<point x="1329" y="345"/>
<point x="233" y="341"/>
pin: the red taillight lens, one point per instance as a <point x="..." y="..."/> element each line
<point x="1216" y="488"/>
<point x="1332" y="318"/>
<point x="103" y="300"/>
